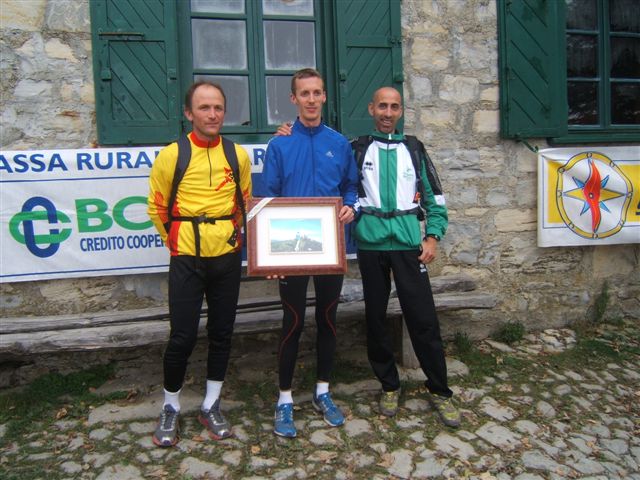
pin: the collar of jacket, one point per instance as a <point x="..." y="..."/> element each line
<point x="395" y="137"/>
<point x="300" y="128"/>
<point x="203" y="143"/>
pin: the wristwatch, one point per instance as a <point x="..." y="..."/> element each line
<point x="432" y="235"/>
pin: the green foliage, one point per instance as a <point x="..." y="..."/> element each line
<point x="462" y="343"/>
<point x="54" y="384"/>
<point x="509" y="333"/>
<point x="480" y="364"/>
<point x="616" y="321"/>
<point x="40" y="400"/>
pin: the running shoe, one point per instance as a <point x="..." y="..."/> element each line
<point x="388" y="403"/>
<point x="218" y="427"/>
<point x="445" y="409"/>
<point x="332" y="414"/>
<point x="284" y="425"/>
<point x="166" y="434"/>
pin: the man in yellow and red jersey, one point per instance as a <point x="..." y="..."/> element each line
<point x="204" y="239"/>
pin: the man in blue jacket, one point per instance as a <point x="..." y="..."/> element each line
<point x="314" y="161"/>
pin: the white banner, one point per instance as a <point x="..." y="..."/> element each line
<point x="588" y="196"/>
<point x="80" y="213"/>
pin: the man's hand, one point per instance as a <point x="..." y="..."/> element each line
<point x="275" y="277"/>
<point x="429" y="247"/>
<point x="346" y="214"/>
<point x="284" y="130"/>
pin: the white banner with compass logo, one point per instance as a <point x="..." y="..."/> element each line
<point x="588" y="196"/>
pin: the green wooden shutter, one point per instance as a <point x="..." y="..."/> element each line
<point x="369" y="46"/>
<point x="532" y="63"/>
<point x="135" y="58"/>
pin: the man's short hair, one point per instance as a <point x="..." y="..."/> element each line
<point x="305" y="73"/>
<point x="188" y="98"/>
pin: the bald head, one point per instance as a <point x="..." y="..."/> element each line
<point x="385" y="92"/>
<point x="386" y="109"/>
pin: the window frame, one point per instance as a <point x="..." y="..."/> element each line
<point x="556" y="128"/>
<point x="605" y="131"/>
<point x="256" y="70"/>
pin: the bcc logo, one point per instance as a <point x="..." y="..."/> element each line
<point x="28" y="236"/>
<point x="92" y="216"/>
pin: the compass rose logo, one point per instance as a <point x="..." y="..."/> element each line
<point x="593" y="195"/>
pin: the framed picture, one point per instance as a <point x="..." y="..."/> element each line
<point x="295" y="236"/>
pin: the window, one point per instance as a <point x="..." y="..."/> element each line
<point x="570" y="70"/>
<point x="603" y="63"/>
<point x="282" y="39"/>
<point x="147" y="53"/>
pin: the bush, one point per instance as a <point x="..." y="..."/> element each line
<point x="462" y="343"/>
<point x="509" y="333"/>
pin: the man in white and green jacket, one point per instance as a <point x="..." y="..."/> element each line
<point x="398" y="189"/>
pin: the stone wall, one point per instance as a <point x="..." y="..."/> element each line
<point x="451" y="90"/>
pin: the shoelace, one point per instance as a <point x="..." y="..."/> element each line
<point x="327" y="404"/>
<point x="216" y="416"/>
<point x="169" y="417"/>
<point x="284" y="415"/>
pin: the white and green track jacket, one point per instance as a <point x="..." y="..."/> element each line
<point x="389" y="187"/>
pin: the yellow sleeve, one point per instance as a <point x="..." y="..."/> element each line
<point x="160" y="181"/>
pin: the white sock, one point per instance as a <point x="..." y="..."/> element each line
<point x="321" y="388"/>
<point x="285" y="397"/>
<point x="213" y="393"/>
<point x="172" y="399"/>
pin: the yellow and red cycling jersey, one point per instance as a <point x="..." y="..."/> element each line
<point x="207" y="188"/>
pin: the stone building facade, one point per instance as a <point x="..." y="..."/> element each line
<point x="451" y="102"/>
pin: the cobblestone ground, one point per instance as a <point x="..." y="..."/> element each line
<point x="548" y="407"/>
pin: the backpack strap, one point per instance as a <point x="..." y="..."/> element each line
<point x="418" y="155"/>
<point x="184" y="157"/>
<point x="417" y="151"/>
<point x="229" y="149"/>
<point x="360" y="146"/>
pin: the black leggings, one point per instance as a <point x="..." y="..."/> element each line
<point x="293" y="293"/>
<point x="217" y="278"/>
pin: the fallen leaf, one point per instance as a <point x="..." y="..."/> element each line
<point x="61" y="413"/>
<point x="255" y="449"/>
<point x="387" y="461"/>
<point x="159" y="473"/>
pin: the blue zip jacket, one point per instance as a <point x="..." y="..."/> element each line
<point x="311" y="162"/>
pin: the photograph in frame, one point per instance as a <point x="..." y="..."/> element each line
<point x="295" y="236"/>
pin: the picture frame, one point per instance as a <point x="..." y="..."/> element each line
<point x="295" y="236"/>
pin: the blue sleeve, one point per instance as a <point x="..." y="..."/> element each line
<point x="270" y="184"/>
<point x="349" y="187"/>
